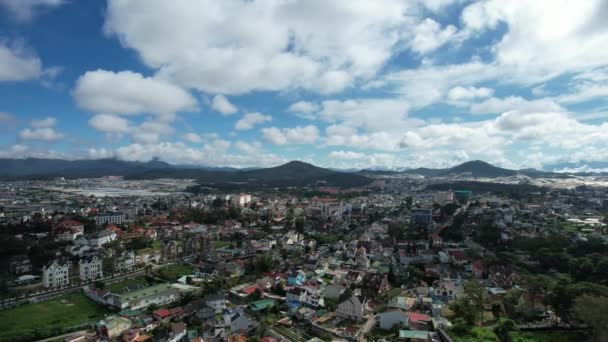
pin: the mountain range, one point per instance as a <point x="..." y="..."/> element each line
<point x="294" y="173"/>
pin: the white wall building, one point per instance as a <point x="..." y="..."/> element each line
<point x="116" y="218"/>
<point x="125" y="262"/>
<point x="90" y="268"/>
<point x="56" y="274"/>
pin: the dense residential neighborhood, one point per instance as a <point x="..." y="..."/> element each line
<point x="399" y="259"/>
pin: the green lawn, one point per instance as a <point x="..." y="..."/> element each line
<point x="548" y="336"/>
<point x="50" y="318"/>
<point x="121" y="285"/>
<point x="174" y="272"/>
<point x="486" y="334"/>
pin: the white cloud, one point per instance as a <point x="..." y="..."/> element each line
<point x="130" y="93"/>
<point x="213" y="153"/>
<point x="304" y="109"/>
<point x="17" y="64"/>
<point x="496" y="105"/>
<point x="215" y="46"/>
<point x="44" y="134"/>
<point x="469" y="93"/>
<point x="249" y="120"/>
<point x="368" y="114"/>
<point x="297" y="135"/>
<point x="221" y="104"/>
<point x="23" y="10"/>
<point x="346" y="155"/>
<point x="248" y="148"/>
<point x="544" y="37"/>
<point x="193" y="138"/>
<point x="41" y="129"/>
<point x="428" y="36"/>
<point x="44" y="123"/>
<point x="108" y="123"/>
<point x="151" y="132"/>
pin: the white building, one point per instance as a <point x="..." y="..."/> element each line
<point x="91" y="268"/>
<point x="441" y="197"/>
<point x="56" y="274"/>
<point x="97" y="240"/>
<point x="116" y="218"/>
<point x="241" y="200"/>
<point x="352" y="308"/>
<point x="125" y="262"/>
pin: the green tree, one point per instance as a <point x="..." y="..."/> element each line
<point x="475" y="293"/>
<point x="593" y="311"/>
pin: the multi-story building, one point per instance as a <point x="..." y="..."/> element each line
<point x="56" y="274"/>
<point x="91" y="268"/>
<point x="68" y="230"/>
<point x="125" y="262"/>
<point x="421" y="216"/>
<point x="110" y="218"/>
<point x="100" y="238"/>
<point x="441" y="197"/>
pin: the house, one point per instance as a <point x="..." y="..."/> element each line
<point x="20" y="264"/>
<point x="112" y="326"/>
<point x="477" y="268"/>
<point x="353" y="277"/>
<point x="216" y="301"/>
<point x="445" y="289"/>
<point x="162" y="315"/>
<point x="68" y="230"/>
<point x="125" y="262"/>
<point x="374" y="284"/>
<point x="237" y="321"/>
<point x="262" y="304"/>
<point x="295" y="294"/>
<point x="56" y="274"/>
<point x="160" y="294"/>
<point x="296" y="278"/>
<point x="415" y="335"/>
<point x="177" y="332"/>
<point x="389" y="319"/>
<point x="418" y="321"/>
<point x="436" y="240"/>
<point x="459" y="257"/>
<point x="199" y="309"/>
<point x="333" y="291"/>
<point x="503" y="276"/>
<point x="352" y="308"/>
<point x="90" y="268"/>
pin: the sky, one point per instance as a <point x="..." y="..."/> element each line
<point x="345" y="83"/>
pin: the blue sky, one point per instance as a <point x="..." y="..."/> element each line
<point x="346" y="84"/>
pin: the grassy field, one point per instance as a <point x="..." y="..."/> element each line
<point x="486" y="334"/>
<point x="50" y="318"/>
<point x="174" y="272"/>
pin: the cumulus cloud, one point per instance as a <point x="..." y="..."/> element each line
<point x="41" y="129"/>
<point x="44" y="134"/>
<point x="24" y="10"/>
<point x="428" y="36"/>
<point x="249" y="120"/>
<point x="221" y="104"/>
<point x="18" y="64"/>
<point x="215" y="37"/>
<point x="130" y="93"/>
<point x="469" y="93"/>
<point x="498" y="105"/>
<point x="108" y="123"/>
<point x="297" y="135"/>
<point x="193" y="138"/>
